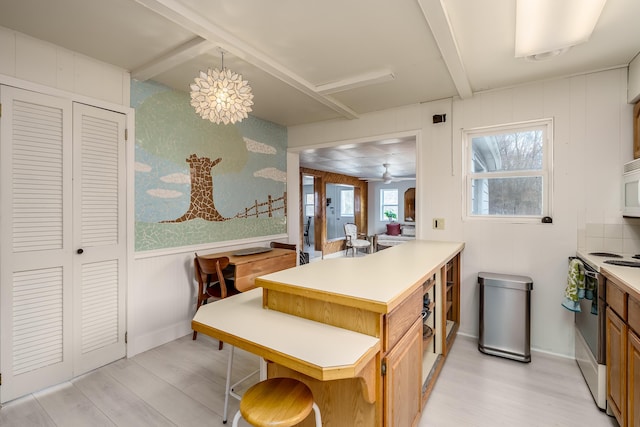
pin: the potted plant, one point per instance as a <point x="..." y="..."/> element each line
<point x="393" y="228"/>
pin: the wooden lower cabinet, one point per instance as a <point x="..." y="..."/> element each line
<point x="408" y="364"/>
<point x="623" y="353"/>
<point x="616" y="366"/>
<point x="402" y="386"/>
<point x="633" y="380"/>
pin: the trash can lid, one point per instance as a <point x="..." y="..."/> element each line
<point x="511" y="281"/>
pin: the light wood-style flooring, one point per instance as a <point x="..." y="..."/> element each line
<point x="182" y="383"/>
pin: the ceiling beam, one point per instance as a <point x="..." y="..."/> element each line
<point x="353" y="82"/>
<point x="192" y="21"/>
<point x="438" y="20"/>
<point x="194" y="47"/>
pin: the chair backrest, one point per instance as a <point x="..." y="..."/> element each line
<point x="290" y="246"/>
<point x="209" y="270"/>
<point x="306" y="226"/>
<point x="302" y="258"/>
<point x="351" y="231"/>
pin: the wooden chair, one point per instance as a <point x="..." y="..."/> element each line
<point x="353" y="241"/>
<point x="306" y="231"/>
<point x="212" y="282"/>
<point x="282" y="402"/>
<point x="302" y="258"/>
<point x="290" y="246"/>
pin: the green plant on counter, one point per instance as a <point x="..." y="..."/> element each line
<point x="391" y="216"/>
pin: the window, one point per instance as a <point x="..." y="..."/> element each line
<point x="309" y="207"/>
<point x="346" y="202"/>
<point x="388" y="203"/>
<point x="509" y="171"/>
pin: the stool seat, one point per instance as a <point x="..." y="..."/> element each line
<point x="276" y="402"/>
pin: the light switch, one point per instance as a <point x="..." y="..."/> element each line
<point x="438" y="223"/>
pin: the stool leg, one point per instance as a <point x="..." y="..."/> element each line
<point x="316" y="411"/>
<point x="227" y="387"/>
<point x="236" y="419"/>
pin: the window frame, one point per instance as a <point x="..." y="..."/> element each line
<point x="311" y="205"/>
<point x="382" y="217"/>
<point x="343" y="213"/>
<point x="546" y="171"/>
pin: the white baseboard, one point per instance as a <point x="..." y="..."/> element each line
<point x="137" y="345"/>
<point x="533" y="350"/>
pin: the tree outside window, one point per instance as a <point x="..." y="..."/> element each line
<point x="509" y="170"/>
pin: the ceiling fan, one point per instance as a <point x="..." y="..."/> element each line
<point x="387" y="177"/>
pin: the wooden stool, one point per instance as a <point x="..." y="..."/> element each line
<point x="281" y="402"/>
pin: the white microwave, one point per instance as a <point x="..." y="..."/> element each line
<point x="631" y="189"/>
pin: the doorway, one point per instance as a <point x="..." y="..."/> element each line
<point x="308" y="217"/>
<point x="360" y="164"/>
<point x="340" y="209"/>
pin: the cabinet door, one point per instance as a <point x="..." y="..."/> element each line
<point x="633" y="379"/>
<point x="403" y="380"/>
<point x="616" y="365"/>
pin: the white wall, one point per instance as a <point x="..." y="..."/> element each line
<point x="592" y="128"/>
<point x="39" y="62"/>
<point x="376" y="226"/>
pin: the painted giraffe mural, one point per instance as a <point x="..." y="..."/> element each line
<point x="201" y="204"/>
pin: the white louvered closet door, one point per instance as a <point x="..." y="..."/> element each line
<point x="99" y="189"/>
<point x="35" y="245"/>
<point x="62" y="240"/>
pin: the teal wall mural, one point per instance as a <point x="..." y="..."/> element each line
<point x="197" y="182"/>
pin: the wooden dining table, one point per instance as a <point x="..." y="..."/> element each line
<point x="247" y="267"/>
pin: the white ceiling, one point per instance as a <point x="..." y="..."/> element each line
<point x="365" y="160"/>
<point x="289" y="49"/>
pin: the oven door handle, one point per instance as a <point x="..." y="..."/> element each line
<point x="592" y="274"/>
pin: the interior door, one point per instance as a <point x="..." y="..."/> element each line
<point x="35" y="241"/>
<point x="62" y="240"/>
<point x="99" y="244"/>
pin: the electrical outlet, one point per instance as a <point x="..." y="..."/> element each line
<point x="438" y="223"/>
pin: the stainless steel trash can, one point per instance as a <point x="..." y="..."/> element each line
<point x="505" y="315"/>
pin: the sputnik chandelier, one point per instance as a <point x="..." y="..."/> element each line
<point x="221" y="95"/>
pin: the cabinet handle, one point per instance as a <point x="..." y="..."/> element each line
<point x="80" y="251"/>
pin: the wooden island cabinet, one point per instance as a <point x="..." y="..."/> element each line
<point x="382" y="295"/>
<point x="623" y="346"/>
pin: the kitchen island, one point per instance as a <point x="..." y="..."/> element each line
<point x="404" y="299"/>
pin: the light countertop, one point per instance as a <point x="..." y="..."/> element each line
<point x="628" y="276"/>
<point x="377" y="281"/>
<point x="321" y="351"/>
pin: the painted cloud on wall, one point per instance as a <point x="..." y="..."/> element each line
<point x="199" y="183"/>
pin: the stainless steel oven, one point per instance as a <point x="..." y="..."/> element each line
<point x="590" y="339"/>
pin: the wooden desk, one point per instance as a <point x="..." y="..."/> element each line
<point x="248" y="267"/>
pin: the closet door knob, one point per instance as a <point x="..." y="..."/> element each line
<point x="80" y="251"/>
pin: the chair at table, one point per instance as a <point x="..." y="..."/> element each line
<point x="353" y="241"/>
<point x="302" y="258"/>
<point x="290" y="246"/>
<point x="212" y="281"/>
<point x="306" y="231"/>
